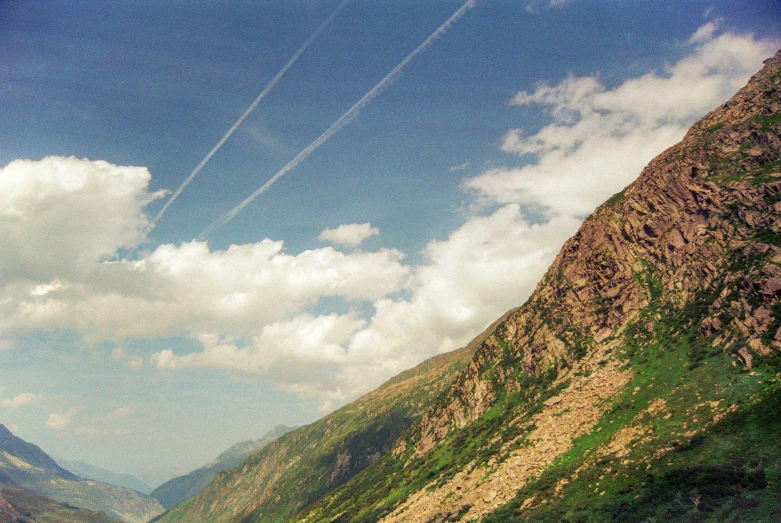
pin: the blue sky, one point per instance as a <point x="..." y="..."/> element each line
<point x="427" y="216"/>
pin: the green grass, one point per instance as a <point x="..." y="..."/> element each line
<point x="614" y="200"/>
<point x="677" y="463"/>
<point x="729" y="471"/>
<point x="303" y="466"/>
<point x="768" y="122"/>
<point x="668" y="359"/>
<point x="379" y="489"/>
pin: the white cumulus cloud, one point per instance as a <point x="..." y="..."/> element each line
<point x="257" y="311"/>
<point x="58" y="272"/>
<point x="351" y="234"/>
<point x="60" y="420"/>
<point x="25" y="398"/>
<point x="301" y="351"/>
<point x="601" y="138"/>
<point x="58" y="214"/>
<point x="488" y="266"/>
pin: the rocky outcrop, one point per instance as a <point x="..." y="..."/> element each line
<point x="565" y="417"/>
<point x="705" y="204"/>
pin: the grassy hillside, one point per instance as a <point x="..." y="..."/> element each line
<point x="302" y="466"/>
<point x="19" y="506"/>
<point x="178" y="489"/>
<point x="692" y="444"/>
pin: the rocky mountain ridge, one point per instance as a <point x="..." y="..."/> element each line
<point x="641" y="380"/>
<point x="651" y="345"/>
<point x="680" y="224"/>
<point x="85" y="470"/>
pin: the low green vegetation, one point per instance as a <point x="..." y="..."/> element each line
<point x="379" y="489"/>
<point x="308" y="463"/>
<point x="614" y="200"/>
<point x="729" y="471"/>
<point x="767" y="122"/>
<point x="25" y="507"/>
<point x="678" y="466"/>
<point x="680" y="397"/>
<point x="699" y="428"/>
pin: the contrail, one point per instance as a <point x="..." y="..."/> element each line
<point x="340" y="123"/>
<point x="244" y="116"/>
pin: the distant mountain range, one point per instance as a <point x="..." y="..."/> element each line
<point x="25" y="466"/>
<point x="88" y="471"/>
<point x="173" y="492"/>
<point x="640" y="382"/>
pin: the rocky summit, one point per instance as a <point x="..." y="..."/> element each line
<point x="640" y="381"/>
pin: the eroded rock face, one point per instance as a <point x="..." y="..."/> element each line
<point x="489" y="485"/>
<point x="687" y="227"/>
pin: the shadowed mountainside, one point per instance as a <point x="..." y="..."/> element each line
<point x="178" y="489"/>
<point x="87" y="471"/>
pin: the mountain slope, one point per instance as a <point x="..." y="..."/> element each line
<point x="15" y="450"/>
<point x="302" y="466"/>
<point x="173" y="492"/>
<point x="25" y="466"/>
<point x="21" y="506"/>
<point x="86" y="471"/>
<point x="641" y="379"/>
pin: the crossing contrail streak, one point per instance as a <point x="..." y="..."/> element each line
<point x="340" y="123"/>
<point x="244" y="116"/>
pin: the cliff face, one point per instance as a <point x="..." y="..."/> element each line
<point x="682" y="229"/>
<point x="655" y="329"/>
